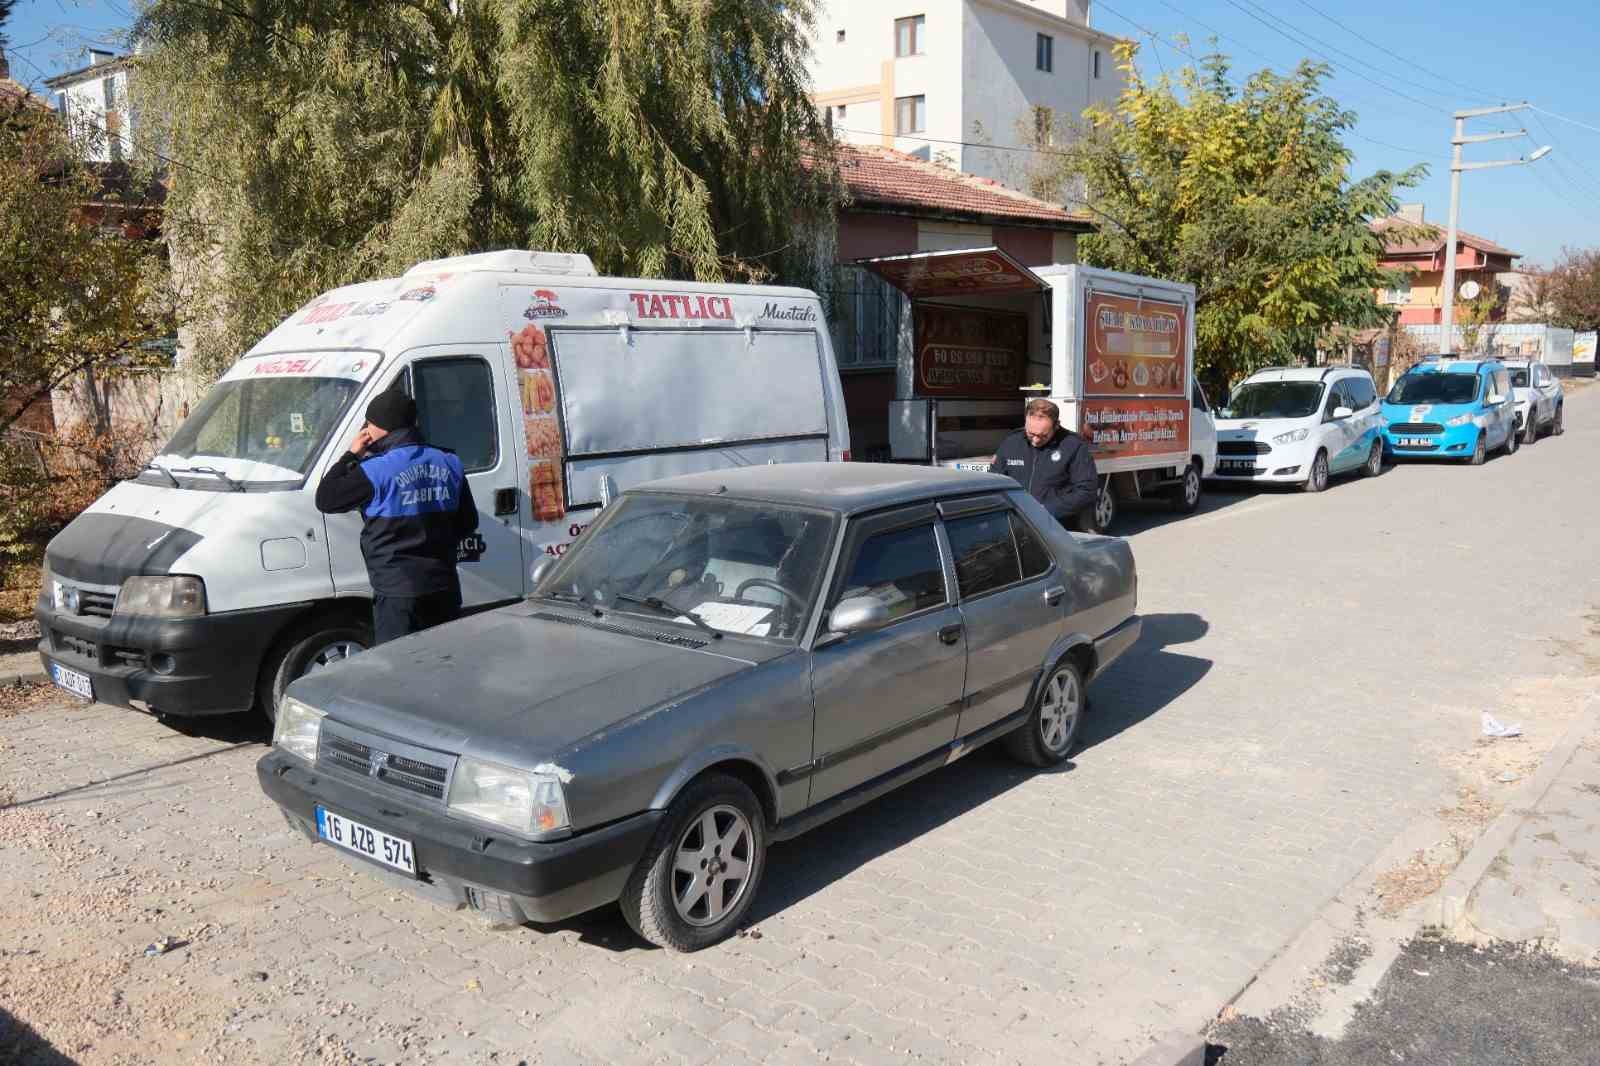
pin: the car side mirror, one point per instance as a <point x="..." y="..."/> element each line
<point x="858" y="614"/>
<point x="1495" y="399"/>
<point x="541" y="568"/>
<point x="1342" y="412"/>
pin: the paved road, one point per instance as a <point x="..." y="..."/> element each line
<point x="1309" y="667"/>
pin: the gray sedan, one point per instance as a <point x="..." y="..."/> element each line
<point x="722" y="660"/>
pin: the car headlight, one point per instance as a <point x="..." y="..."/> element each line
<point x="163" y="597"/>
<point x="1292" y="437"/>
<point x="1459" y="420"/>
<point x="521" y="801"/>
<point x="297" y="728"/>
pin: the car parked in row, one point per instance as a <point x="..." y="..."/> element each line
<point x="1300" y="425"/>
<point x="721" y="660"/>
<point x="1539" y="399"/>
<point x="1451" y="408"/>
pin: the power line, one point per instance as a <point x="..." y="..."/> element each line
<point x="1570" y="121"/>
<point x="1475" y="92"/>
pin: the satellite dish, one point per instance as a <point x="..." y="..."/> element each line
<point x="1470" y="290"/>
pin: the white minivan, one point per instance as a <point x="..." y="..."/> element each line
<point x="210" y="581"/>
<point x="1300" y="425"/>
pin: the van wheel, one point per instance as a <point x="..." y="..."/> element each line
<point x="1105" y="507"/>
<point x="1556" y="427"/>
<point x="304" y="651"/>
<point x="1530" y="427"/>
<point x="1480" y="451"/>
<point x="1051" y="730"/>
<point x="1374" y="464"/>
<point x="1186" y="496"/>
<point x="699" y="875"/>
<point x="1317" y="480"/>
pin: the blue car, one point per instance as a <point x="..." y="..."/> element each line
<point x="1452" y="409"/>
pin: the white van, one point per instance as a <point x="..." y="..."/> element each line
<point x="210" y="581"/>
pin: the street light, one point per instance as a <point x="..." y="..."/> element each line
<point x="1448" y="314"/>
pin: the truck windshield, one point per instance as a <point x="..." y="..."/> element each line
<point x="279" y="421"/>
<point x="1275" y="399"/>
<point x="1437" y="387"/>
<point x="736" y="567"/>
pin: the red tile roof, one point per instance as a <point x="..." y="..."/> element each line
<point x="883" y="178"/>
<point x="1431" y="247"/>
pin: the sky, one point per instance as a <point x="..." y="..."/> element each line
<point x="1403" y="68"/>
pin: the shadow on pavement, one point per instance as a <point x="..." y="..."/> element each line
<point x="1138" y="516"/>
<point x="20" y="1045"/>
<point x="1146" y="679"/>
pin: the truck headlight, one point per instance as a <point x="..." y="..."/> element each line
<point x="297" y="728"/>
<point x="1459" y="420"/>
<point x="1291" y="437"/>
<point x="521" y="801"/>
<point x="163" y="597"/>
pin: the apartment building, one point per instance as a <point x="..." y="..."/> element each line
<point x="944" y="80"/>
<point x="93" y="101"/>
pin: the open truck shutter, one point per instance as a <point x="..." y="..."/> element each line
<point x="963" y="272"/>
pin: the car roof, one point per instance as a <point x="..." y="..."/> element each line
<point x="1306" y="373"/>
<point x="1456" y="366"/>
<point x="844" y="487"/>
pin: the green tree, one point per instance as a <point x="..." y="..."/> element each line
<point x="1242" y="190"/>
<point x="1574" y="289"/>
<point x="317" y="142"/>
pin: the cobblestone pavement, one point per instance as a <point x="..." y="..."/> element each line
<point x="1312" y="669"/>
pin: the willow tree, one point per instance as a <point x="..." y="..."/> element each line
<point x="315" y="142"/>
<point x="1242" y="189"/>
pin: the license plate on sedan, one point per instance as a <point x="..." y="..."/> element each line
<point x="73" y="681"/>
<point x="366" y="841"/>
<point x="1236" y="466"/>
<point x="1415" y="442"/>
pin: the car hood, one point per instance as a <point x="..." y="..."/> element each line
<point x="1257" y="428"/>
<point x="1425" y="412"/>
<point x="520" y="683"/>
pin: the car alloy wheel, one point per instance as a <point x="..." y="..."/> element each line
<point x="1557" y="429"/>
<point x="1530" y="428"/>
<point x="1374" y="465"/>
<point x="1059" y="707"/>
<point x="1317" y="480"/>
<point x="1191" y="487"/>
<point x="1105" y="508"/>
<point x="336" y="652"/>
<point x="711" y="867"/>
<point x="1480" y="451"/>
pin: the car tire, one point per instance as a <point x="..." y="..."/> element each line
<point x="1557" y="427"/>
<point x="308" y="648"/>
<point x="716" y="811"/>
<point x="1480" y="451"/>
<point x="1513" y="442"/>
<point x="1051" y="730"/>
<point x="1104" y="515"/>
<point x="1374" y="464"/>
<point x="1186" y="496"/>
<point x="1530" y="427"/>
<point x="1317" y="479"/>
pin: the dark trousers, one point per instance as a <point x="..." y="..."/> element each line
<point x="395" y="616"/>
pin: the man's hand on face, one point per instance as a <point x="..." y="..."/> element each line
<point x="366" y="438"/>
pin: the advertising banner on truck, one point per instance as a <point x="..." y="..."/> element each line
<point x="1134" y="347"/>
<point x="1122" y="429"/>
<point x="968" y="352"/>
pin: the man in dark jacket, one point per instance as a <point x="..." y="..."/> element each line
<point x="1053" y="463"/>
<point x="415" y="504"/>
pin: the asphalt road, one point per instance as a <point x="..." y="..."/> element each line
<point x="1311" y="668"/>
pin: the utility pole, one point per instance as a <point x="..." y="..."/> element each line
<point x="1447" y="315"/>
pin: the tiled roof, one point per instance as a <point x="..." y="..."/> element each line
<point x="1429" y="247"/>
<point x="12" y="90"/>
<point x="886" y="179"/>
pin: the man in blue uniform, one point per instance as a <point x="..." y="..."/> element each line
<point x="416" y="506"/>
<point x="1053" y="463"/>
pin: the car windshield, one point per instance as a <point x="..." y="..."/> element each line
<point x="736" y="567"/>
<point x="1519" y="377"/>
<point x="1275" y="399"/>
<point x="1436" y="387"/>
<point x="278" y="421"/>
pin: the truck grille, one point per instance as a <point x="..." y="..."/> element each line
<point x="96" y="604"/>
<point x="66" y="642"/>
<point x="413" y="772"/>
<point x="1243" y="447"/>
<point x="1414" y="428"/>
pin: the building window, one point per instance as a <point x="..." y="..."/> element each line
<point x="838" y="37"/>
<point x="1097" y="63"/>
<point x="908" y="35"/>
<point x="911" y="114"/>
<point x="1044" y="54"/>
<point x="61" y="104"/>
<point x="841" y="110"/>
<point x="1399" y="296"/>
<point x="1044" y="125"/>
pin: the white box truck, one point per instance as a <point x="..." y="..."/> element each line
<point x="210" y="581"/>
<point x="1115" y="351"/>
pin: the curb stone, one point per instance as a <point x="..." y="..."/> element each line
<point x="35" y="677"/>
<point x="1175" y="1049"/>
<point x="1449" y="910"/>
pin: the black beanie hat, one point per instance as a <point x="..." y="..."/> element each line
<point x="392" y="410"/>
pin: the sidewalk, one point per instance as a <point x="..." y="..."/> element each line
<point x="1543" y="884"/>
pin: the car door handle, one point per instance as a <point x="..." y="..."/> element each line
<point x="950" y="634"/>
<point x="1052" y="595"/>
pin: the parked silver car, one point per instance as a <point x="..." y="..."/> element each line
<point x="1539" y="399"/>
<point x="720" y="661"/>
